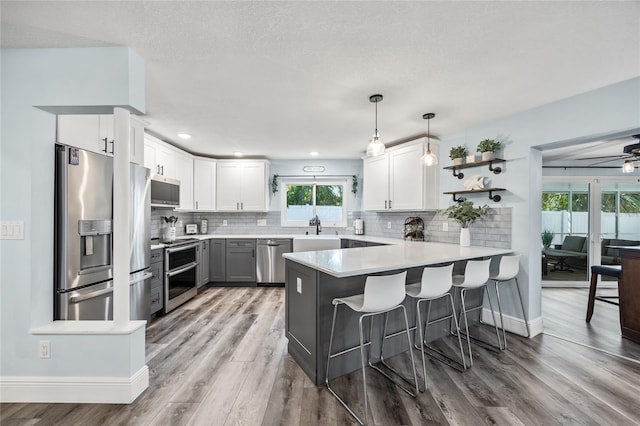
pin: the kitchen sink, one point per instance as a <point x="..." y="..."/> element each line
<point x="315" y="243"/>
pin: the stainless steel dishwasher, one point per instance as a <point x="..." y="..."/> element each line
<point x="269" y="262"/>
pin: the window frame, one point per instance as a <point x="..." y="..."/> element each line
<point x="285" y="182"/>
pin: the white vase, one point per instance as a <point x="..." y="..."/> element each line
<point x="465" y="237"/>
<point x="458" y="161"/>
<point x="486" y="156"/>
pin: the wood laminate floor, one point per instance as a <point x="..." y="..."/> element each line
<point x="221" y="360"/>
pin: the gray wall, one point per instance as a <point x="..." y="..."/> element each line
<point x="613" y="109"/>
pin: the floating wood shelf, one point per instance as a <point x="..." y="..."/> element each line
<point x="492" y="197"/>
<point x="495" y="170"/>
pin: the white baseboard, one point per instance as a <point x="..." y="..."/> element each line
<point x="95" y="390"/>
<point x="514" y="325"/>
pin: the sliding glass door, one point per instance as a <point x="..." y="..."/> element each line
<point x="581" y="218"/>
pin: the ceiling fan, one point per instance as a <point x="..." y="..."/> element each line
<point x="630" y="154"/>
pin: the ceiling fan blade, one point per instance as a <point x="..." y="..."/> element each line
<point x="603" y="157"/>
<point x="601" y="162"/>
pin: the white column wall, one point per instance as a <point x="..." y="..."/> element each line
<point x="60" y="80"/>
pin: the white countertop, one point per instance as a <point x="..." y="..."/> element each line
<point x="404" y="254"/>
<point x="366" y="238"/>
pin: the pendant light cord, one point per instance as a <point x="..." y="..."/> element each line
<point x="376" y="102"/>
<point x="428" y="135"/>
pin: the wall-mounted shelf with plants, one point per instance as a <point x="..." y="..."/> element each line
<point x="492" y="197"/>
<point x="495" y="170"/>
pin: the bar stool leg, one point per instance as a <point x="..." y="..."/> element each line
<point x="422" y="337"/>
<point x="504" y="336"/>
<point x="592" y="295"/>
<point x="466" y="326"/>
<point x="455" y="320"/>
<point x="383" y="362"/>
<point x="326" y="380"/>
<point x="493" y="315"/>
<point x="364" y="373"/>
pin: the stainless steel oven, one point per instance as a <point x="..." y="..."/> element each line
<point x="181" y="273"/>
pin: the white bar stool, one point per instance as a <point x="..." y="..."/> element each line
<point x="435" y="284"/>
<point x="476" y="276"/>
<point x="382" y="294"/>
<point x="509" y="268"/>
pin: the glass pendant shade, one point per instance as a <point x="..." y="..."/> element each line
<point x="375" y="147"/>
<point x="628" y="167"/>
<point x="429" y="158"/>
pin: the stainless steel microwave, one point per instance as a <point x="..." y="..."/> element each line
<point x="165" y="192"/>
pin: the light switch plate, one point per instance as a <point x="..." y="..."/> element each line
<point x="224" y="223"/>
<point x="299" y="285"/>
<point x="262" y="222"/>
<point x="445" y="226"/>
<point x="12" y="230"/>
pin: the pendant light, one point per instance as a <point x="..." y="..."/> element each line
<point x="375" y="147"/>
<point x="429" y="158"/>
<point x="628" y="167"/>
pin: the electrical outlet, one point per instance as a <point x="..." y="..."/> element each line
<point x="262" y="222"/>
<point x="44" y="349"/>
<point x="388" y="225"/>
<point x="179" y="224"/>
<point x="445" y="226"/>
<point x="299" y="285"/>
<point x="224" y="223"/>
<point x="12" y="230"/>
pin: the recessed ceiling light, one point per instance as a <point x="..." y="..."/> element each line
<point x="184" y="135"/>
<point x="314" y="153"/>
<point x="238" y="153"/>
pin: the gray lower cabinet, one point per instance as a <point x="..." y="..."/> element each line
<point x="157" y="280"/>
<point x="217" y="260"/>
<point x="204" y="263"/>
<point x="241" y="260"/>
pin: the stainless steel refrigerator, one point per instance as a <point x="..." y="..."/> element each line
<point x="84" y="237"/>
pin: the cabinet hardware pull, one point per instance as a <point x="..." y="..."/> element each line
<point x="253" y="252"/>
<point x="196" y="205"/>
<point x="237" y="206"/>
<point x="389" y="203"/>
<point x="385" y="204"/>
<point x="241" y="205"/>
<point x="105" y="144"/>
<point x="112" y="142"/>
<point x="162" y="168"/>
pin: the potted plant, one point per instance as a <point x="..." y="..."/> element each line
<point x="457" y="154"/>
<point x="547" y="238"/>
<point x="465" y="214"/>
<point x="488" y="147"/>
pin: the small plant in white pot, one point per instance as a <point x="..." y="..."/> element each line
<point x="457" y="154"/>
<point x="465" y="214"/>
<point x="488" y="148"/>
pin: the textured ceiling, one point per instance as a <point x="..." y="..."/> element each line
<point x="280" y="79"/>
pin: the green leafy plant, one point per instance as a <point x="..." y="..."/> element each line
<point x="488" y="145"/>
<point x="274" y="184"/>
<point x="458" y="152"/>
<point x="465" y="214"/>
<point x="547" y="238"/>
<point x="354" y="185"/>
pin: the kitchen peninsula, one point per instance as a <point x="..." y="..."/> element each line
<point x="314" y="279"/>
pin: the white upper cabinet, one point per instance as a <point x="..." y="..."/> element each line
<point x="94" y="132"/>
<point x="375" y="191"/>
<point x="184" y="173"/>
<point x="204" y="184"/>
<point x="159" y="157"/>
<point x="242" y="185"/>
<point x="398" y="181"/>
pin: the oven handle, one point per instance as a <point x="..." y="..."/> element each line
<point x="183" y="269"/>
<point x="180" y="248"/>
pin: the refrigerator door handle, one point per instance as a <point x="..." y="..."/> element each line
<point x="93" y="294"/>
<point x="141" y="277"/>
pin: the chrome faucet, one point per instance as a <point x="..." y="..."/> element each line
<point x="315" y="221"/>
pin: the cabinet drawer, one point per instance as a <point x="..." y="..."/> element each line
<point x="156" y="272"/>
<point x="156" y="255"/>
<point x="241" y="243"/>
<point x="156" y="300"/>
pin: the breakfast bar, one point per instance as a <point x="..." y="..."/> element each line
<point x="315" y="278"/>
